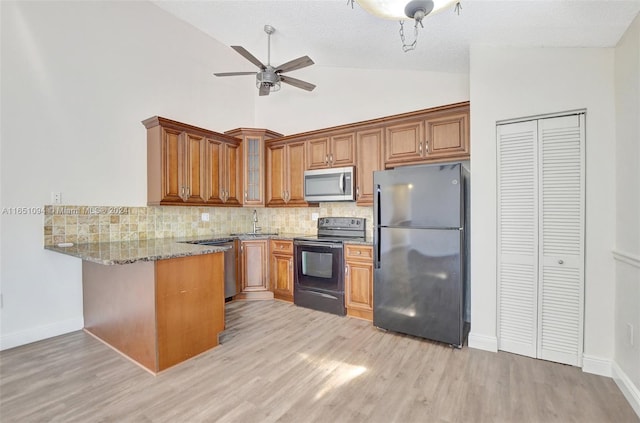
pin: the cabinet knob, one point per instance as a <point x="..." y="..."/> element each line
<point x="560" y="261"/>
<point x="358" y="252"/>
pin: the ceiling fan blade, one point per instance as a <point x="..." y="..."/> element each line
<point x="300" y="62"/>
<point x="297" y="83"/>
<point x="234" y="73"/>
<point x="264" y="89"/>
<point x="250" y="57"/>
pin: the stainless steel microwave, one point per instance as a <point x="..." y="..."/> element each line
<point x="334" y="184"/>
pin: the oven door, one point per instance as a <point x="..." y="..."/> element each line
<point x="318" y="266"/>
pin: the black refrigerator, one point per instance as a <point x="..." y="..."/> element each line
<point x="421" y="251"/>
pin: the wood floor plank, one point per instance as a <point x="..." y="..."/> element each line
<point x="281" y="363"/>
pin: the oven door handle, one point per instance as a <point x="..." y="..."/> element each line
<point x="317" y="244"/>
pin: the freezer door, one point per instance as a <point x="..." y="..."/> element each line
<point x="418" y="288"/>
<point x="428" y="196"/>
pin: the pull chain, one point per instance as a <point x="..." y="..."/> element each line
<point x="408" y="47"/>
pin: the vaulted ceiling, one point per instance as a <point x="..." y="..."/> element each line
<point x="335" y="33"/>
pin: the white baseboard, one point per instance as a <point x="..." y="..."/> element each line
<point x="483" y="342"/>
<point x="596" y="365"/>
<point x="629" y="390"/>
<point x="15" y="339"/>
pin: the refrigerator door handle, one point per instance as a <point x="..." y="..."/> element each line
<point x="377" y="232"/>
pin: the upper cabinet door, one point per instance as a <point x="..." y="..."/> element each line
<point x="403" y="142"/>
<point x="232" y="174"/>
<point x="215" y="171"/>
<point x="276" y="175"/>
<point x="254" y="171"/>
<point x="334" y="151"/>
<point x="368" y="160"/>
<point x="447" y="136"/>
<point x="295" y="172"/>
<point x="318" y="153"/>
<point x="172" y="178"/>
<point x="343" y="150"/>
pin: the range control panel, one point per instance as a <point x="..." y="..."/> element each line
<point x="342" y="223"/>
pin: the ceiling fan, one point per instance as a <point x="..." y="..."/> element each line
<point x="268" y="78"/>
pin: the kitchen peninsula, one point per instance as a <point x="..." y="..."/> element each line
<point x="158" y="302"/>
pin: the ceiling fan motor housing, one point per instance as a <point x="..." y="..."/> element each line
<point x="267" y="76"/>
<point x="418" y="9"/>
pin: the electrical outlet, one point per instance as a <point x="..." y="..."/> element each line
<point x="56" y="197"/>
<point x="205" y="217"/>
<point x="314" y="216"/>
<point x="630" y="334"/>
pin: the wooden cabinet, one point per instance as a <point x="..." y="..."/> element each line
<point x="254" y="270"/>
<point x="187" y="165"/>
<point x="403" y="142"/>
<point x="158" y="313"/>
<point x="368" y="159"/>
<point x="358" y="281"/>
<point x="252" y="170"/>
<point x="222" y="175"/>
<point x="332" y="151"/>
<point x="285" y="174"/>
<point x="433" y="136"/>
<point x="281" y="269"/>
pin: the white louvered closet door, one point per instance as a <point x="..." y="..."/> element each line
<point x="541" y="237"/>
<point x="561" y="214"/>
<point x="517" y="238"/>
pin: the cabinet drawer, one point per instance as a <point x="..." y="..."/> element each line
<point x="281" y="246"/>
<point x="358" y="252"/>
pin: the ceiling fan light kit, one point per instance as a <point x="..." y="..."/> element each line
<point x="416" y="10"/>
<point x="268" y="78"/>
<point x="394" y="9"/>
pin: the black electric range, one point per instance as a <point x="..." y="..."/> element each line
<point x="319" y="263"/>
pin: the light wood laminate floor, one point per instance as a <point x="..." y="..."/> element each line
<point x="281" y="363"/>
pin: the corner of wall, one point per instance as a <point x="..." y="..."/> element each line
<point x="483" y="342"/>
<point x="629" y="390"/>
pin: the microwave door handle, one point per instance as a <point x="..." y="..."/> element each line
<point x="342" y="183"/>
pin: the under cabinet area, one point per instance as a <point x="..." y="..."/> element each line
<point x="281" y="269"/>
<point x="358" y="281"/>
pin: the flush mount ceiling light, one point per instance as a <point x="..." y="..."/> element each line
<point x="399" y="9"/>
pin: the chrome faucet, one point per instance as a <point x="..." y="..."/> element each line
<point x="256" y="228"/>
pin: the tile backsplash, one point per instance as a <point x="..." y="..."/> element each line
<point x="81" y="224"/>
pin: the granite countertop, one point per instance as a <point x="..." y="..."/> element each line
<point x="126" y="252"/>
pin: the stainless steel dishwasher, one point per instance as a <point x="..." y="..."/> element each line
<point x="229" y="264"/>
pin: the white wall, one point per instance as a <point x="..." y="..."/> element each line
<point x="345" y="95"/>
<point x="510" y="83"/>
<point x="77" y="79"/>
<point x="627" y="245"/>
